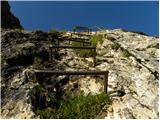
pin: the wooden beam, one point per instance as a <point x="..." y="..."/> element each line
<point x="71" y="72"/>
<point x="94" y="57"/>
<point x="68" y="73"/>
<point x="73" y="47"/>
<point x="81" y="34"/>
<point x="76" y="40"/>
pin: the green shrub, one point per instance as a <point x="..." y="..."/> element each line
<point x="37" y="60"/>
<point x="55" y="32"/>
<point x="115" y="46"/>
<point x="84" y="52"/>
<point x="19" y="30"/>
<point x="77" y="107"/>
<point x="39" y="88"/>
<point x="125" y="53"/>
<point x="95" y="39"/>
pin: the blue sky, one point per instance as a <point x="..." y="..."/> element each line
<point x="129" y="15"/>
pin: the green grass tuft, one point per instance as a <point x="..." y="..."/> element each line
<point x="57" y="33"/>
<point x="125" y="53"/>
<point x="88" y="53"/>
<point x="82" y="52"/>
<point x="39" y="88"/>
<point x="115" y="46"/>
<point x="77" y="107"/>
<point x="37" y="60"/>
<point x="95" y="39"/>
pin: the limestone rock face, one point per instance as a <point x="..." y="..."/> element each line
<point x="16" y="101"/>
<point x="131" y="58"/>
<point x="8" y="20"/>
<point x="19" y="50"/>
<point x="136" y="76"/>
<point x="133" y="79"/>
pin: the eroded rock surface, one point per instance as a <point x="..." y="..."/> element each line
<point x="133" y="79"/>
<point x="133" y="75"/>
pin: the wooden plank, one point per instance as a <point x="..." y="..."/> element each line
<point x="82" y="34"/>
<point x="76" y="40"/>
<point x="71" y="72"/>
<point x="77" y="47"/>
<point x="74" y="47"/>
<point x="82" y="28"/>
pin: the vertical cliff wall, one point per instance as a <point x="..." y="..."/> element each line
<point x="8" y="20"/>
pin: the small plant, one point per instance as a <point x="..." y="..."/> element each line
<point x="95" y="39"/>
<point x="77" y="107"/>
<point x="39" y="88"/>
<point x="82" y="52"/>
<point x="88" y="53"/>
<point x="19" y="30"/>
<point x="126" y="53"/>
<point x="37" y="60"/>
<point x="115" y="46"/>
<point x="55" y="32"/>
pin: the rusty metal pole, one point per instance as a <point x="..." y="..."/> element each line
<point x="94" y="57"/>
<point x="106" y="82"/>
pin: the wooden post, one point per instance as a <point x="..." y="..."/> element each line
<point x="69" y="42"/>
<point x="50" y="54"/>
<point x="58" y="42"/>
<point x="106" y="82"/>
<point x="35" y="77"/>
<point x="94" y="57"/>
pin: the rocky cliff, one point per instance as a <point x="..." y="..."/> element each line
<point x="131" y="58"/>
<point x="8" y="20"/>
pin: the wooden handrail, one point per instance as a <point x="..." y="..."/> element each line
<point x="49" y="72"/>
<point x="72" y="47"/>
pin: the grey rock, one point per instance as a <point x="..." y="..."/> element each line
<point x="8" y="19"/>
